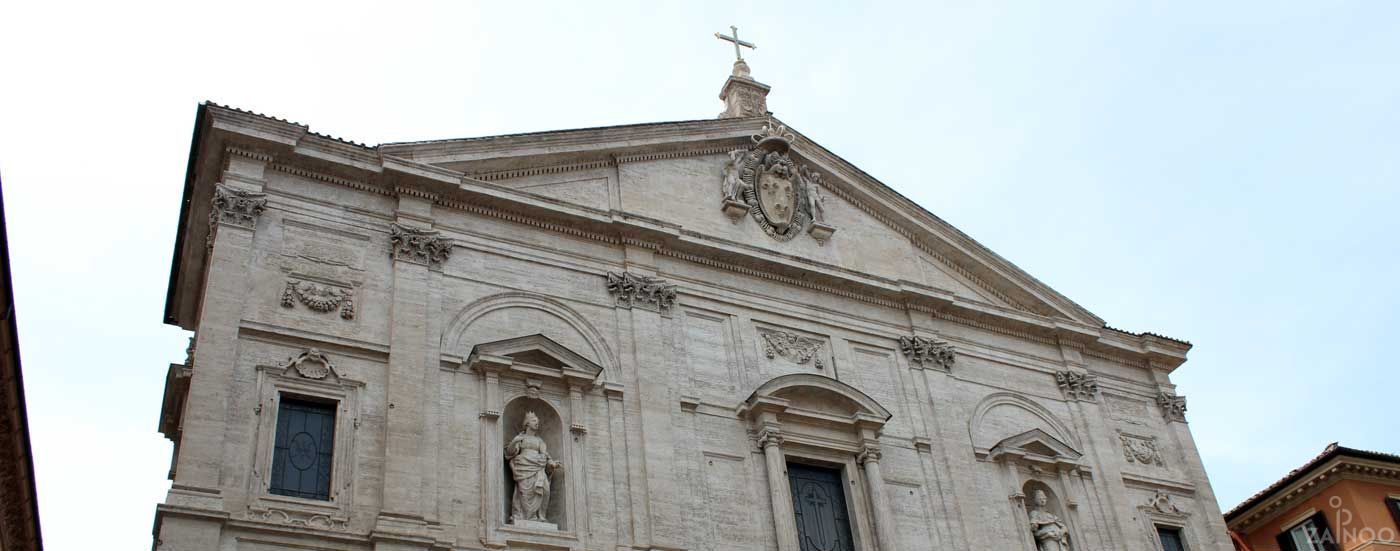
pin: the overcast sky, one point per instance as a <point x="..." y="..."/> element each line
<point x="1221" y="172"/>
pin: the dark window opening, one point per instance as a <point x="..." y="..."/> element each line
<point x="1170" y="538"/>
<point x="819" y="502"/>
<point x="1312" y="534"/>
<point x="302" y="452"/>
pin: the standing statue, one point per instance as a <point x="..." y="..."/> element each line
<point x="733" y="175"/>
<point x="816" y="202"/>
<point x="532" y="468"/>
<point x="1050" y="533"/>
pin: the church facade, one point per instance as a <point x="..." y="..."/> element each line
<point x="698" y="335"/>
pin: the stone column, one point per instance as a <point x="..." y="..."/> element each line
<point x="884" y="520"/>
<point x="784" y="520"/>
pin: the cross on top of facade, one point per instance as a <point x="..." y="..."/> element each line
<point x="738" y="55"/>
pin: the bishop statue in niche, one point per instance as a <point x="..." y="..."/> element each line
<point x="1050" y="534"/>
<point x="532" y="468"/>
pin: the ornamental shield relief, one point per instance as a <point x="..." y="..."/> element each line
<point x="777" y="195"/>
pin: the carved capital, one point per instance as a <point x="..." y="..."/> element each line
<point x="769" y="437"/>
<point x="236" y="207"/>
<point x="645" y="292"/>
<point x="1173" y="407"/>
<point x="928" y="352"/>
<point x="794" y="347"/>
<point x="1078" y="386"/>
<point x="869" y="454"/>
<point x="418" y="245"/>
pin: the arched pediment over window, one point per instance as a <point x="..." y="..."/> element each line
<point x="815" y="399"/>
<point x="1004" y="415"/>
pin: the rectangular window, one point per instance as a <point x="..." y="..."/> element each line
<point x="1170" y="538"/>
<point x="1394" y="505"/>
<point x="302" y="452"/>
<point x="1312" y="534"/>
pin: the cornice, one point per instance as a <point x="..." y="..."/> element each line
<point x="919" y="217"/>
<point x="476" y="194"/>
<point x="1319" y="478"/>
<point x="565" y="141"/>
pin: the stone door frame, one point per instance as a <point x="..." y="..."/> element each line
<point x="786" y="425"/>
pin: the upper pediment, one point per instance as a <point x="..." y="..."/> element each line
<point x="750" y="194"/>
<point x="708" y="177"/>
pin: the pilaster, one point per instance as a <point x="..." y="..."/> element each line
<point x="416" y="251"/>
<point x="650" y="359"/>
<point x="200" y="478"/>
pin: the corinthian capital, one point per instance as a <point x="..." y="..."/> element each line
<point x="236" y="207"/>
<point x="869" y="454"/>
<point x="418" y="245"/>
<point x="770" y="437"/>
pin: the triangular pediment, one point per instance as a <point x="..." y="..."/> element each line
<point x="673" y="172"/>
<point x="534" y="354"/>
<point x="1034" y="443"/>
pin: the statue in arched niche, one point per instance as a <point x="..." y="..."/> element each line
<point x="532" y="468"/>
<point x="1050" y="534"/>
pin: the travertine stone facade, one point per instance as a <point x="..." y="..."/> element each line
<point x="682" y="310"/>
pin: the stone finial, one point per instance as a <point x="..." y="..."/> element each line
<point x="742" y="95"/>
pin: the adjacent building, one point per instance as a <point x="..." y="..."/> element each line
<point x="1344" y="499"/>
<point x="19" y="504"/>
<point x="697" y="335"/>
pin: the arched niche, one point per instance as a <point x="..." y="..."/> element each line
<point x="1002" y="415"/>
<point x="536" y="373"/>
<point x="1036" y="460"/>
<point x="1052" y="503"/>
<point x="1053" y="506"/>
<point x="552" y="431"/>
<point x="500" y="317"/>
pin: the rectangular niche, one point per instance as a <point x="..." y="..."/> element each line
<point x="709" y="353"/>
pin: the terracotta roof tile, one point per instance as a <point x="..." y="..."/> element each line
<point x="1332" y="450"/>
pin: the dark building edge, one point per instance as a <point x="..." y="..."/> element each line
<point x="19" y="502"/>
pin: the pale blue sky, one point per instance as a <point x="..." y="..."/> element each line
<point x="1224" y="173"/>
